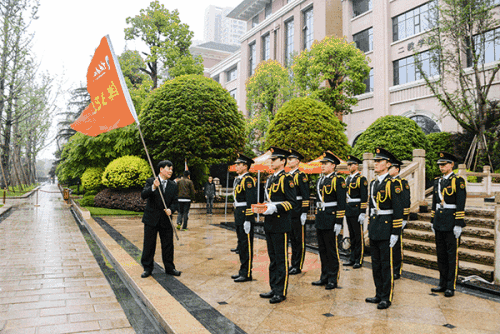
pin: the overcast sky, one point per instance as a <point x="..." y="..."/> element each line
<point x="68" y="31"/>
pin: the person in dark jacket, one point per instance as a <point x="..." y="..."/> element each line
<point x="209" y="191"/>
<point x="156" y="219"/>
<point x="186" y="194"/>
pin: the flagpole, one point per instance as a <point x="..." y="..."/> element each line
<point x="154" y="174"/>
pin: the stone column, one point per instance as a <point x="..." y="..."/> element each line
<point x="487" y="180"/>
<point x="497" y="239"/>
<point x="419" y="193"/>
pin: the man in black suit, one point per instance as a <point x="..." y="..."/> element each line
<point x="156" y="219"/>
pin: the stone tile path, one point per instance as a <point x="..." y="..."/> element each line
<point x="49" y="280"/>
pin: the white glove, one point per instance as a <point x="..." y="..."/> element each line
<point x="394" y="239"/>
<point x="432" y="228"/>
<point x="404" y="223"/>
<point x="303" y="218"/>
<point x="337" y="229"/>
<point x="457" y="230"/>
<point x="246" y="227"/>
<point x="271" y="208"/>
<point x="361" y="218"/>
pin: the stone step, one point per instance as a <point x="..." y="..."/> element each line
<point x="469" y="255"/>
<point x="469" y="220"/>
<point x="465" y="268"/>
<point x="469" y="231"/>
<point x="465" y="242"/>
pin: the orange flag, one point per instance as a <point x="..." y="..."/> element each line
<point x="111" y="106"/>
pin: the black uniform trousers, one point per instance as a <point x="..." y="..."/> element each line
<point x="245" y="250"/>
<point x="447" y="258"/>
<point x="277" y="248"/>
<point x="397" y="255"/>
<point x="329" y="255"/>
<point x="297" y="240"/>
<point x="382" y="268"/>
<point x="167" y="246"/>
<point x="356" y="236"/>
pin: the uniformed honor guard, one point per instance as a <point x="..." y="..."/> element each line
<point x="355" y="210"/>
<point x="280" y="200"/>
<point x="331" y="192"/>
<point x="397" y="254"/>
<point x="448" y="205"/>
<point x="245" y="194"/>
<point x="299" y="214"/>
<point x="386" y="219"/>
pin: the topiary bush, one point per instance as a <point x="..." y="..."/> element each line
<point x="129" y="199"/>
<point x="126" y="172"/>
<point x="87" y="200"/>
<point x="310" y="127"/>
<point x="438" y="141"/>
<point x="92" y="179"/>
<point x="194" y="118"/>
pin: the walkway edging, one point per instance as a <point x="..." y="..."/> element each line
<point x="175" y="319"/>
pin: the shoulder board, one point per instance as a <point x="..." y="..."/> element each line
<point x="437" y="177"/>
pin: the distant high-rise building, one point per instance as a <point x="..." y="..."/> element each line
<point x="221" y="29"/>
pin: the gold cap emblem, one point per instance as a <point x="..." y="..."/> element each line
<point x="272" y="150"/>
<point x="441" y="155"/>
<point x="378" y="151"/>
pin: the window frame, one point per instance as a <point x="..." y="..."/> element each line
<point x="354" y="13"/>
<point x="266" y="47"/>
<point x="289" y="37"/>
<point x="308" y="32"/>
<point x="252" y="55"/>
<point x="369" y="39"/>
<point x="405" y="19"/>
<point x="230" y="72"/>
<point x="411" y="63"/>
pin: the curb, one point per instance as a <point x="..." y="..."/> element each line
<point x="173" y="318"/>
<point x="4" y="209"/>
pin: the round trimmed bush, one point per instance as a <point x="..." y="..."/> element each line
<point x="126" y="172"/>
<point x="310" y="127"/>
<point x="87" y="200"/>
<point x="92" y="178"/>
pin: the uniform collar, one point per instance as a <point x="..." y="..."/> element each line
<point x="331" y="174"/>
<point x="447" y="176"/>
<point x="382" y="177"/>
<point x="242" y="175"/>
<point x="293" y="171"/>
<point x="278" y="173"/>
<point x="353" y="175"/>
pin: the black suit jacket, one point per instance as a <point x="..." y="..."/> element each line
<point x="154" y="213"/>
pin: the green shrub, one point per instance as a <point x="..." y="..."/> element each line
<point x="92" y="179"/>
<point x="126" y="172"/>
<point x="91" y="192"/>
<point x="87" y="200"/>
<point x="310" y="127"/>
<point x="471" y="179"/>
<point x="438" y="141"/>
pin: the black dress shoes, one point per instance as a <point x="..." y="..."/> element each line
<point x="234" y="249"/>
<point x="243" y="279"/>
<point x="330" y="286"/>
<point x="320" y="282"/>
<point x="269" y="294"/>
<point x="173" y="272"/>
<point x="397" y="276"/>
<point x="356" y="266"/>
<point x="294" y="271"/>
<point x="449" y="293"/>
<point x="383" y="304"/>
<point x="235" y="276"/>
<point x="277" y="299"/>
<point x="349" y="263"/>
<point x="146" y="273"/>
<point x="373" y="300"/>
<point x="438" y="289"/>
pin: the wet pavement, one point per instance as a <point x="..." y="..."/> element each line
<point x="52" y="281"/>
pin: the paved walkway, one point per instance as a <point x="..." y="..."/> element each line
<point x="49" y="280"/>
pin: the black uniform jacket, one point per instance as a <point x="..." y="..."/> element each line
<point x="154" y="213"/>
<point x="387" y="196"/>
<point x="331" y="189"/>
<point x="406" y="196"/>
<point x="453" y="192"/>
<point x="282" y="190"/>
<point x="301" y="182"/>
<point x="245" y="191"/>
<point x="357" y="187"/>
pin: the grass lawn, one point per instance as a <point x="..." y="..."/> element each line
<point x="16" y="191"/>
<point x="111" y="212"/>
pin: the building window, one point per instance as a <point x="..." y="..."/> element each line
<point x="232" y="74"/>
<point x="364" y="40"/>
<point x="252" y="59"/>
<point x="266" y="47"/>
<point x="369" y="82"/>
<point x="487" y="45"/>
<point x="288" y="40"/>
<point x="405" y="69"/>
<point x="412" y="22"/>
<point x="255" y="21"/>
<point x="308" y="28"/>
<point x="269" y="10"/>
<point x="361" y="6"/>
<point x="426" y="124"/>
<point x="216" y="78"/>
<point x="233" y="93"/>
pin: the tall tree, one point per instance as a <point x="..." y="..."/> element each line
<point x="341" y="65"/>
<point x="462" y="43"/>
<point x="168" y="40"/>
